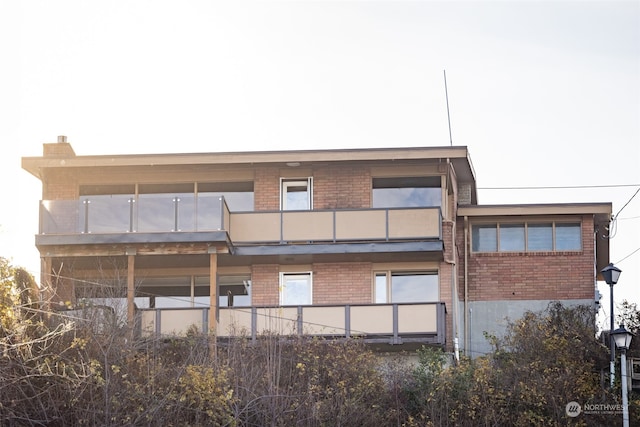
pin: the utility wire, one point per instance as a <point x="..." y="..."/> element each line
<point x="628" y="201"/>
<point x="637" y="249"/>
<point x="559" y="187"/>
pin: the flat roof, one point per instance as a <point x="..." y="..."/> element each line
<point x="458" y="155"/>
<point x="601" y="210"/>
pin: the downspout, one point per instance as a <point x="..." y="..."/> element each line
<point x="452" y="263"/>
<point x="467" y="338"/>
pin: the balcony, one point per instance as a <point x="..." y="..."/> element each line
<point x="157" y="216"/>
<point x="375" y="323"/>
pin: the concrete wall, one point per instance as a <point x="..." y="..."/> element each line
<point x="493" y="317"/>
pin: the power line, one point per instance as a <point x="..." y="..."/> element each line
<point x="559" y="187"/>
<point x="628" y="201"/>
<point x="637" y="249"/>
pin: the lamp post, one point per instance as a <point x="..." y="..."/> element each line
<point x="622" y="339"/>
<point x="611" y="274"/>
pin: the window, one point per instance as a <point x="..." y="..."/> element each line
<point x="485" y="238"/>
<point x="406" y="192"/>
<point x="530" y="237"/>
<point x="399" y="287"/>
<point x="295" y="288"/>
<point x="238" y="195"/>
<point x="568" y="237"/>
<point x="296" y="194"/>
<point x="234" y="291"/>
<point x="540" y="237"/>
<point x="512" y="237"/>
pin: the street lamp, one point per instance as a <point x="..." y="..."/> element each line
<point x="622" y="339"/>
<point x="611" y="274"/>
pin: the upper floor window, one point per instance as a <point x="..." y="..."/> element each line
<point x="526" y="237"/>
<point x="399" y="287"/>
<point x="296" y="194"/>
<point x="239" y="196"/>
<point x="295" y="288"/>
<point x="407" y="192"/>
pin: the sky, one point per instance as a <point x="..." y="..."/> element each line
<point x="544" y="94"/>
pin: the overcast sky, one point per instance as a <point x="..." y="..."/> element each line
<point x="543" y="93"/>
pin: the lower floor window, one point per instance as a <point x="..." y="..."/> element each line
<point x="399" y="287"/>
<point x="295" y="288"/>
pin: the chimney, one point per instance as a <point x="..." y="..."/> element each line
<point x="464" y="194"/>
<point x="58" y="149"/>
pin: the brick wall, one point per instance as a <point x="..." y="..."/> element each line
<point x="342" y="187"/>
<point x="265" y="287"/>
<point x="342" y="283"/>
<point x="58" y="149"/>
<point x="266" y="189"/>
<point x="532" y="275"/>
<point x="334" y="187"/>
<point x="59" y="184"/>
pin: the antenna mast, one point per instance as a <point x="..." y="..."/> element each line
<point x="446" y="94"/>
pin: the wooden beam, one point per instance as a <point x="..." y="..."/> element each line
<point x="46" y="282"/>
<point x="131" y="259"/>
<point x="114" y="250"/>
<point x="213" y="291"/>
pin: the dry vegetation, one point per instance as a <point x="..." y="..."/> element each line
<point x="62" y="373"/>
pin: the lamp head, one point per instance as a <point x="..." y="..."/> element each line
<point x="611" y="274"/>
<point x="622" y="337"/>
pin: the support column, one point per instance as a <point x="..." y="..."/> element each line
<point x="213" y="290"/>
<point x="46" y="282"/>
<point x="131" y="260"/>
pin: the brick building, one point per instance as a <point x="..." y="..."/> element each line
<point x="387" y="244"/>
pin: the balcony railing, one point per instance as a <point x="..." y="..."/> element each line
<point x="126" y="214"/>
<point x="375" y="323"/>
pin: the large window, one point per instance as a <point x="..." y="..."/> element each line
<point x="406" y="192"/>
<point x="399" y="287"/>
<point x="234" y="290"/>
<point x="295" y="289"/>
<point x="526" y="237"/>
<point x="296" y="194"/>
<point x="239" y="196"/>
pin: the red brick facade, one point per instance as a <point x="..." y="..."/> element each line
<point x="531" y="275"/>
<point x="342" y="283"/>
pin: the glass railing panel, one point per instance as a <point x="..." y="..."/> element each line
<point x="155" y="213"/>
<point x="107" y="214"/>
<point x="59" y="217"/>
<point x="209" y="212"/>
<point x="186" y="212"/>
<point x="166" y="213"/>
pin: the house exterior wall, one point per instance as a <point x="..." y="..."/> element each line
<point x="479" y="289"/>
<point x="502" y="286"/>
<point x="534" y="275"/>
<point x="340" y="283"/>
